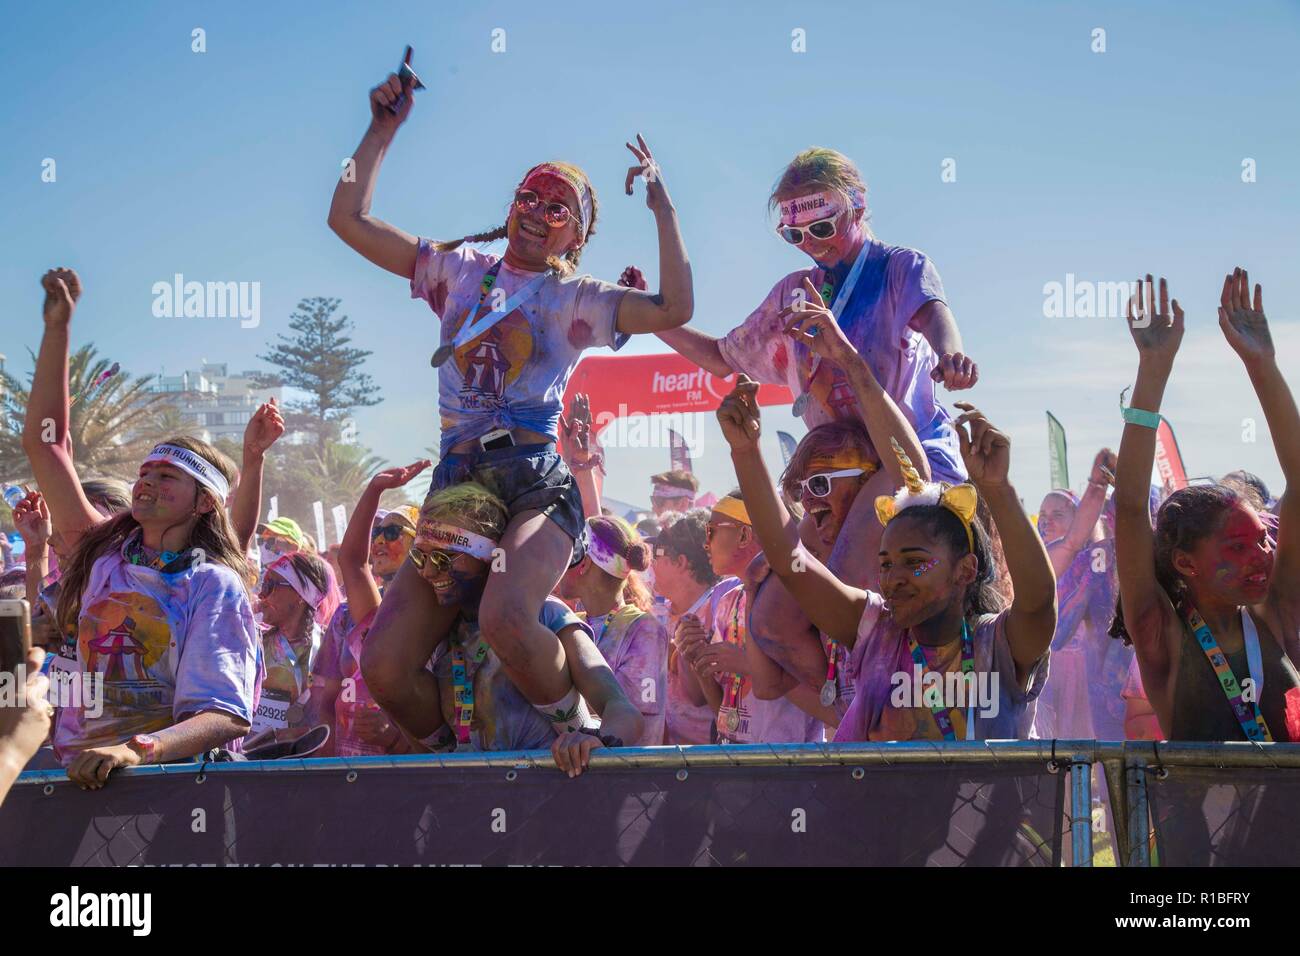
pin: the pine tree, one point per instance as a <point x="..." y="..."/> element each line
<point x="320" y="361"/>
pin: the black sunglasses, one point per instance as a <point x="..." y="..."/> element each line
<point x="390" y="532"/>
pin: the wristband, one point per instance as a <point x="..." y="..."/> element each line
<point x="147" y="746"/>
<point x="1140" y="416"/>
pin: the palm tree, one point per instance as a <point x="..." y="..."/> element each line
<point x="340" y="474"/>
<point x="110" y="428"/>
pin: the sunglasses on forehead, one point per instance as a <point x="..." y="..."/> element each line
<point x="556" y="214"/>
<point x="389" y="532"/>
<point x="819" y="485"/>
<point x="821" y="229"/>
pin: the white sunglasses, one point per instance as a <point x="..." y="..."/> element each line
<point x="819" y="485"/>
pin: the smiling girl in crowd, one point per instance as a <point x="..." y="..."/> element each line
<point x="936" y="609"/>
<point x="617" y="608"/>
<point x="370" y="555"/>
<point x="1206" y="599"/>
<point x="512" y="329"/>
<point x="296" y="600"/>
<point x="158" y="596"/>
<point x="889" y="301"/>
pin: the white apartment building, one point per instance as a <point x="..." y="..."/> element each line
<point x="216" y="403"/>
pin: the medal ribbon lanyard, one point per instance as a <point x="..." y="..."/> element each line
<point x="841" y="299"/>
<point x="474" y="325"/>
<point x="463" y="689"/>
<point x="296" y="666"/>
<point x="1248" y="715"/>
<point x="940" y="712"/>
<point x="734" y="635"/>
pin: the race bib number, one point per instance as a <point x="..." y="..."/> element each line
<point x="272" y="712"/>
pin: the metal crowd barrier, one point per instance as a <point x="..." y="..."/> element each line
<point x="913" y="803"/>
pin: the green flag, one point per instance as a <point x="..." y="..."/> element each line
<point x="1056" y="453"/>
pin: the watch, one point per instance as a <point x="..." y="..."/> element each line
<point x="146" y="745"/>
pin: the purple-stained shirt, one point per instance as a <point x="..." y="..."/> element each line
<point x="761" y="721"/>
<point x="168" y="646"/>
<point x="638" y="656"/>
<point x="882" y="658"/>
<point x="688" y="723"/>
<point x="895" y="282"/>
<point x="503" y="718"/>
<point x="512" y="375"/>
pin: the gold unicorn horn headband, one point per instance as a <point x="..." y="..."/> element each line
<point x="959" y="499"/>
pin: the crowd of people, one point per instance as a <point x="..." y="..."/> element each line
<point x="887" y="585"/>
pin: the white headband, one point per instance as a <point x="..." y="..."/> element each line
<point x="823" y="205"/>
<point x="452" y="538"/>
<point x="283" y="566"/>
<point x="604" y="557"/>
<point x="197" y="467"/>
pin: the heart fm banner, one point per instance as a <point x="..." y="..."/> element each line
<point x="623" y="385"/>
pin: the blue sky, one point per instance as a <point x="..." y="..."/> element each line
<point x="220" y="166"/>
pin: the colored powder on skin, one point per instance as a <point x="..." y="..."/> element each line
<point x="580" y="336"/>
<point x="921" y="569"/>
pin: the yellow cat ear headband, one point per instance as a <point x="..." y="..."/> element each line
<point x="959" y="499"/>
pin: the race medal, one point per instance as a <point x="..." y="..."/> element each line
<point x="440" y="357"/>
<point x="828" y="693"/>
<point x="800" y="405"/>
<point x="732" y="720"/>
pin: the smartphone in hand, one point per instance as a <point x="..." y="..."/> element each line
<point x="15" y="634"/>
<point x="409" y="80"/>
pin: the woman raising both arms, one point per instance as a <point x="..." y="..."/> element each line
<point x="936" y="608"/>
<point x="512" y="329"/>
<point x="1204" y="598"/>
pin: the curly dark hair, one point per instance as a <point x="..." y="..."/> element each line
<point x="685" y="537"/>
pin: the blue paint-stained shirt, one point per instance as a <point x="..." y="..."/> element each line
<point x="514" y="374"/>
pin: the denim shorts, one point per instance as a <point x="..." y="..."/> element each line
<point x="525" y="477"/>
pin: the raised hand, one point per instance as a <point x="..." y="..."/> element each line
<point x="656" y="195"/>
<point x="1103" y="468"/>
<point x="396" y="477"/>
<point x="62" y="290"/>
<point x="809" y="320"/>
<point x="632" y="279"/>
<point x="575" y="430"/>
<point x="32" y="520"/>
<point x="264" y="429"/>
<point x="986" y="450"/>
<point x="956" y="371"/>
<point x="739" y="416"/>
<point x="387" y="93"/>
<point x="1157" y="333"/>
<point x="1243" y="324"/>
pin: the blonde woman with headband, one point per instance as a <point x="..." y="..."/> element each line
<point x="157" y="596"/>
<point x="511" y="330"/>
<point x="617" y="607"/>
<point x="935" y="619"/>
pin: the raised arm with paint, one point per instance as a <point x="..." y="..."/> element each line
<point x="1211" y="608"/>
<point x="157" y="596"/>
<point x="512" y="328"/>
<point x="888" y="300"/>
